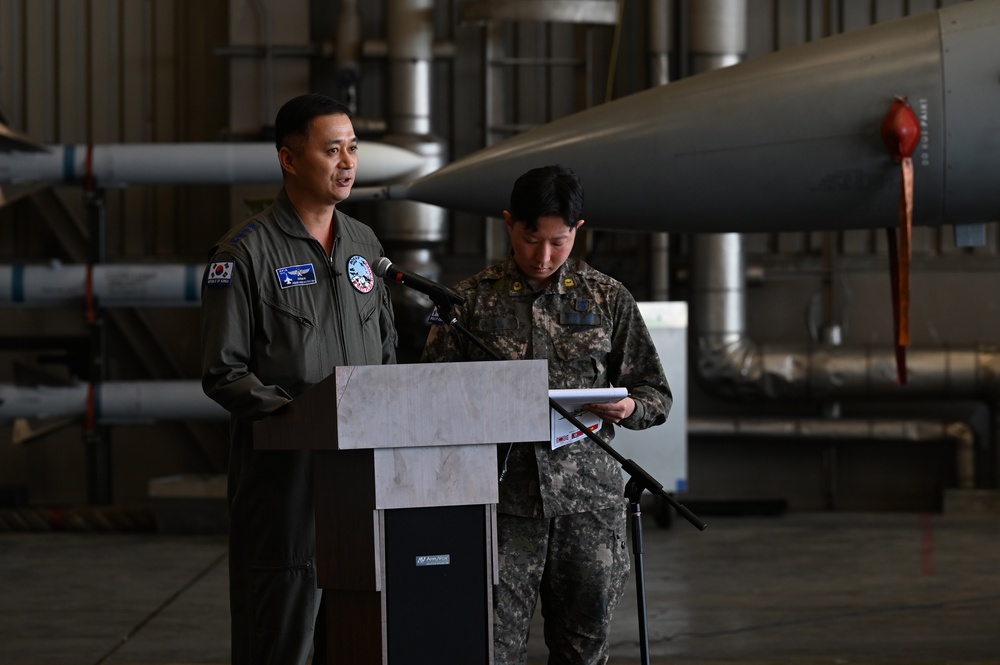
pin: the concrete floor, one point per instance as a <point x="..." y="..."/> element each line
<point x="824" y="588"/>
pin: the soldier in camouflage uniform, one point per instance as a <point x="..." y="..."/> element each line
<point x="562" y="513"/>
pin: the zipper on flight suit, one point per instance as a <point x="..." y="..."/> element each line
<point x="336" y="295"/>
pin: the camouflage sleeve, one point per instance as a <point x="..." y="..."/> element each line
<point x="634" y="364"/>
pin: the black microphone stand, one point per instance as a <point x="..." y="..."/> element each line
<point x="639" y="481"/>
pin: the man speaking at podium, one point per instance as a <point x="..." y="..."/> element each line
<point x="288" y="295"/>
<point x="562" y="512"/>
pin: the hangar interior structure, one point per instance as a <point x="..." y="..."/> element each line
<point x="792" y="411"/>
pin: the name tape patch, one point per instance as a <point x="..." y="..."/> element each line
<point x="302" y="275"/>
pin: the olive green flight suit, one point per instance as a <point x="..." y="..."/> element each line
<point x="278" y="316"/>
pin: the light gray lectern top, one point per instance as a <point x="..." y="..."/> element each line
<point x="415" y="405"/>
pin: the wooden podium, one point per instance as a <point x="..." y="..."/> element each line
<point x="405" y="474"/>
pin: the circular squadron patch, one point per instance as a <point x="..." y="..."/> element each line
<point x="360" y="273"/>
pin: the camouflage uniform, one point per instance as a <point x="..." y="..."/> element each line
<point x="562" y="512"/>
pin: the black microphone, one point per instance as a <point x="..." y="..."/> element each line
<point x="441" y="295"/>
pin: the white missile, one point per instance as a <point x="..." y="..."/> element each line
<point x="122" y="165"/>
<point x="109" y="285"/>
<point x="111" y="402"/>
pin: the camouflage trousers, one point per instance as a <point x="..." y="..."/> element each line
<point x="578" y="565"/>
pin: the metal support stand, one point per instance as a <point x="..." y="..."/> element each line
<point x="97" y="438"/>
<point x="634" y="493"/>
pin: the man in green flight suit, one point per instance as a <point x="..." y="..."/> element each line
<point x="288" y="295"/>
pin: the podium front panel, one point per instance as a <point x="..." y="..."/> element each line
<point x="414" y="406"/>
<point x="425" y="477"/>
<point x="352" y="486"/>
<point x="438" y="609"/>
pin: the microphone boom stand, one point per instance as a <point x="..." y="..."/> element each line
<point x="639" y="481"/>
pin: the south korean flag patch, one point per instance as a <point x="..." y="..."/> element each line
<point x="220" y="272"/>
<point x="359" y="271"/>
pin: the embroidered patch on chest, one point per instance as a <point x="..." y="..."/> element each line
<point x="500" y="323"/>
<point x="301" y="275"/>
<point x="580" y="314"/>
<point x="360" y="273"/>
<point x="220" y="272"/>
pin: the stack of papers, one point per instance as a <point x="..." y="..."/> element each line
<point x="563" y="431"/>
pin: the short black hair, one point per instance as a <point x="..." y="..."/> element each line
<point x="295" y="115"/>
<point x="547" y="191"/>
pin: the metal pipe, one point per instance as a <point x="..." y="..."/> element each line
<point x="859" y="429"/>
<point x="410" y="38"/>
<point x="407" y="228"/>
<point x="378" y="48"/>
<point x="267" y="80"/>
<point x="718" y="39"/>
<point x="735" y="366"/>
<point x="659" y="74"/>
<point x="597" y="12"/>
<point x="348" y="53"/>
<point x="718" y="34"/>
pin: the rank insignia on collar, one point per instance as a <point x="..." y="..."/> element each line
<point x="359" y="271"/>
<point x="517" y="285"/>
<point x="569" y="282"/>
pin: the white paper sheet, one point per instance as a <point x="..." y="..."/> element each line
<point x="563" y="431"/>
